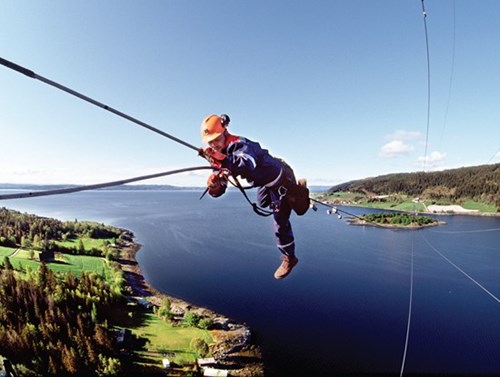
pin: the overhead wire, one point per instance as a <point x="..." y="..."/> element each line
<point x="496" y="154"/>
<point x="33" y="75"/>
<point x="407" y="338"/>
<point x="69" y="190"/>
<point x="428" y="84"/>
<point x="29" y="73"/>
<point x="336" y="209"/>
<point x="461" y="270"/>
<point x="408" y="326"/>
<point x="466" y="231"/>
<point x="451" y="75"/>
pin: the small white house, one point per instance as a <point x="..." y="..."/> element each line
<point x="215" y="372"/>
<point x="206" y="362"/>
<point x="166" y="363"/>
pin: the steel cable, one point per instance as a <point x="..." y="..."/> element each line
<point x="69" y="190"/>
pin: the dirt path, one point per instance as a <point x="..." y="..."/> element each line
<point x="15" y="252"/>
<point x="450" y="209"/>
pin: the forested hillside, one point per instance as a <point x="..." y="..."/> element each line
<point x="73" y="302"/>
<point x="480" y="183"/>
<point x="26" y="230"/>
<point x="58" y="323"/>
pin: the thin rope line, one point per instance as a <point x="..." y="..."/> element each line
<point x="335" y="208"/>
<point x="465" y="231"/>
<point x="462" y="271"/>
<point x="81" y="96"/>
<point x="98" y="185"/>
<point x="451" y="76"/>
<point x="409" y="309"/>
<point x="494" y="155"/>
<point x="428" y="85"/>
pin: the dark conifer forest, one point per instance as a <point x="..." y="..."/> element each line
<point x="481" y="183"/>
<point x="58" y="323"/>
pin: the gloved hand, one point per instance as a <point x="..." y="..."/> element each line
<point x="217" y="183"/>
<point x="215" y="158"/>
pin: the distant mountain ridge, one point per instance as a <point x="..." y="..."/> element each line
<point x="476" y="182"/>
<point x="29" y="186"/>
<point x="40" y="187"/>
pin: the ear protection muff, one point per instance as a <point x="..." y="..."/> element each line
<point x="224" y="118"/>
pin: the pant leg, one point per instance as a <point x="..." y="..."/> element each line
<point x="283" y="229"/>
<point x="281" y="226"/>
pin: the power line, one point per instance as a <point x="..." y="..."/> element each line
<point x="335" y="209"/>
<point x="465" y="231"/>
<point x="462" y="271"/>
<point x="33" y="75"/>
<point x="428" y="84"/>
<point x="409" y="309"/>
<point x="451" y="75"/>
<point x="69" y="190"/>
<point x="497" y="153"/>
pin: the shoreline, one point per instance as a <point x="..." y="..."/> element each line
<point x="234" y="346"/>
<point x="443" y="210"/>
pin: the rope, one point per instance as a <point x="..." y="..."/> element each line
<point x="345" y="212"/>
<point x="462" y="271"/>
<point x="54" y="84"/>
<point x="494" y="155"/>
<point x="465" y="231"/>
<point x="428" y="85"/>
<point x="451" y="76"/>
<point x="258" y="210"/>
<point x="98" y="185"/>
<point x="409" y="309"/>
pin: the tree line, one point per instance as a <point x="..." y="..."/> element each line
<point x="30" y="231"/>
<point x="396" y="218"/>
<point x="481" y="183"/>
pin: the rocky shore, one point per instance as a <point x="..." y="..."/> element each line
<point x="234" y="348"/>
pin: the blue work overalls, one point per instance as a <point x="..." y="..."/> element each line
<point x="272" y="176"/>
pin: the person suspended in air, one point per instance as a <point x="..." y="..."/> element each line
<point x="278" y="190"/>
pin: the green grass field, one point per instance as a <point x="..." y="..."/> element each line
<point x="402" y="203"/>
<point x="481" y="207"/>
<point x="6" y="251"/>
<point x="167" y="339"/>
<point x="77" y="264"/>
<point x="88" y="243"/>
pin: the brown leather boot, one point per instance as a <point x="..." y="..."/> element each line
<point x="286" y="266"/>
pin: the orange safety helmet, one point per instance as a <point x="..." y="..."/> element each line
<point x="213" y="126"/>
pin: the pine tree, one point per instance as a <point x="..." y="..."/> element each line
<point x="6" y="264"/>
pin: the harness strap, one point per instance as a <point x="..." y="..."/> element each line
<point x="258" y="210"/>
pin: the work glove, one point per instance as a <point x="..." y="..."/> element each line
<point x="213" y="157"/>
<point x="217" y="183"/>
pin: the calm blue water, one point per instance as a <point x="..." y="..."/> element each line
<point x="345" y="308"/>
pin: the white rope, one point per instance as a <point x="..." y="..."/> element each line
<point x="409" y="310"/>
<point x="428" y="84"/>
<point x="69" y="190"/>
<point x="465" y="231"/>
<point x="462" y="271"/>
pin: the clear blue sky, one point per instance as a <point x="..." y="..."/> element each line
<point x="336" y="88"/>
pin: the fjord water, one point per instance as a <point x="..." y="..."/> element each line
<point x="345" y="308"/>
